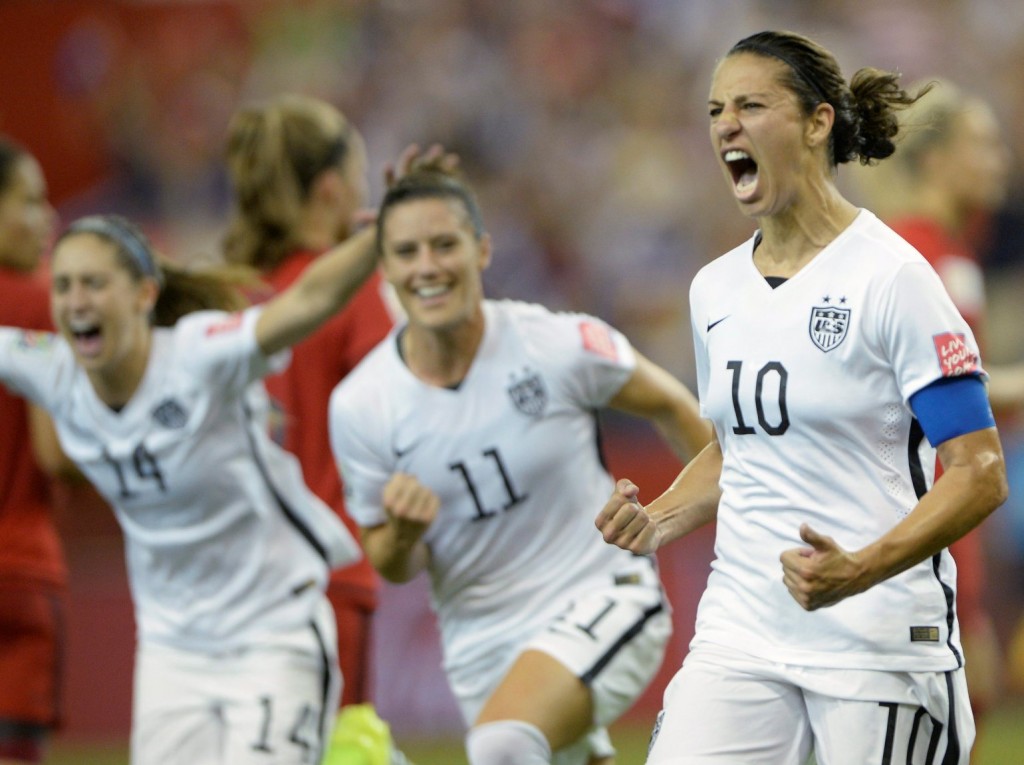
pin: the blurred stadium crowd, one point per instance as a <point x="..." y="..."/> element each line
<point x="581" y="122"/>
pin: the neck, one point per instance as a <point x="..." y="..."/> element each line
<point x="793" y="238"/>
<point x="932" y="204"/>
<point x="442" y="357"/>
<point x="319" y="230"/>
<point x="116" y="386"/>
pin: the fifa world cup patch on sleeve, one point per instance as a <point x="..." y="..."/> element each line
<point x="954" y="356"/>
<point x="597" y="338"/>
<point x="230" y="324"/>
<point x="33" y="340"/>
<point x="924" y="634"/>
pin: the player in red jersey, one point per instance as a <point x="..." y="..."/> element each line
<point x="299" y="173"/>
<point x="32" y="570"/>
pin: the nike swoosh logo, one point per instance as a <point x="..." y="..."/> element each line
<point x="713" y="324"/>
<point x="399" y="453"/>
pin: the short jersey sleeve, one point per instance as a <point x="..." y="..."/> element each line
<point x="357" y="430"/>
<point x="32" y="364"/>
<point x="221" y="348"/>
<point x="923" y="335"/>
<point x="591" y="359"/>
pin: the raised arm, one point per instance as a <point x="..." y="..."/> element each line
<point x="326" y="285"/>
<point x="655" y="395"/>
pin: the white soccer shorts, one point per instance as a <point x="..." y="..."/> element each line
<point x="613" y="639"/>
<point x="270" y="705"/>
<point x="724" y="707"/>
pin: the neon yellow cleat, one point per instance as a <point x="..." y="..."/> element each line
<point x="361" y="738"/>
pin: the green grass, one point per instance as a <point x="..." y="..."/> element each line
<point x="1001" y="742"/>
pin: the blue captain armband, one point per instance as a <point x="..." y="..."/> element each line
<point x="951" y="407"/>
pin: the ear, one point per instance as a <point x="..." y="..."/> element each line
<point x="149" y="292"/>
<point x="328" y="187"/>
<point x="485" y="251"/>
<point x="819" y="124"/>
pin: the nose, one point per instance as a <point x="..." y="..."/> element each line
<point x="425" y="260"/>
<point x="726" y="124"/>
<point x="75" y="297"/>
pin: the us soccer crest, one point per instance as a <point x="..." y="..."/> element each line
<point x="171" y="414"/>
<point x="828" y="326"/>
<point x="528" y="393"/>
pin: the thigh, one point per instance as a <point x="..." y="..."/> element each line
<point x="854" y="732"/>
<point x="271" y="705"/>
<point x="718" y="715"/>
<point x="279" y="710"/>
<point x="613" y="641"/>
<point x="176" y="715"/>
<point x="31" y="647"/>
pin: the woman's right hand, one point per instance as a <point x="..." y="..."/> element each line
<point x="411" y="507"/>
<point x="625" y="523"/>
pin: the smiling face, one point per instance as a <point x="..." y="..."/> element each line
<point x="98" y="307"/>
<point x="26" y="217"/>
<point x="766" y="146"/>
<point x="435" y="262"/>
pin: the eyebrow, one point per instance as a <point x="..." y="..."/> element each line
<point x="742" y="99"/>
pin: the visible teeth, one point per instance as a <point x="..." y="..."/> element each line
<point x="734" y="155"/>
<point x="428" y="292"/>
<point x="81" y="326"/>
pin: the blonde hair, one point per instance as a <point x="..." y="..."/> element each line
<point x="275" y="151"/>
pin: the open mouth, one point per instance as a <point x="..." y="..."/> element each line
<point x="86" y="338"/>
<point x="743" y="170"/>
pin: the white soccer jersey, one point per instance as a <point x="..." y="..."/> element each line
<point x="225" y="545"/>
<point x="807" y="385"/>
<point x="513" y="455"/>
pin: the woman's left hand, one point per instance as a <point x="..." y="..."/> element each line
<point x="820" y="575"/>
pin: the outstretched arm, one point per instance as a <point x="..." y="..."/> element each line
<point x="972" y="486"/>
<point x="655" y="395"/>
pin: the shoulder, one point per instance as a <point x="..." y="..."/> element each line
<point x="539" y="323"/>
<point x="564" y="343"/>
<point x="880" y="243"/>
<point x="372" y="378"/>
<point x="724" y="266"/>
<point x="209" y="325"/>
<point x="928" y="238"/>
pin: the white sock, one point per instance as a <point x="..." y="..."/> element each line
<point x="507" y="742"/>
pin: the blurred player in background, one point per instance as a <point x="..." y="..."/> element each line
<point x="154" y="397"/>
<point x="32" y="569"/>
<point x="298" y="168"/>
<point x="469" y="447"/>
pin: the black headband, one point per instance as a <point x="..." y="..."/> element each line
<point x="124" y="237"/>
